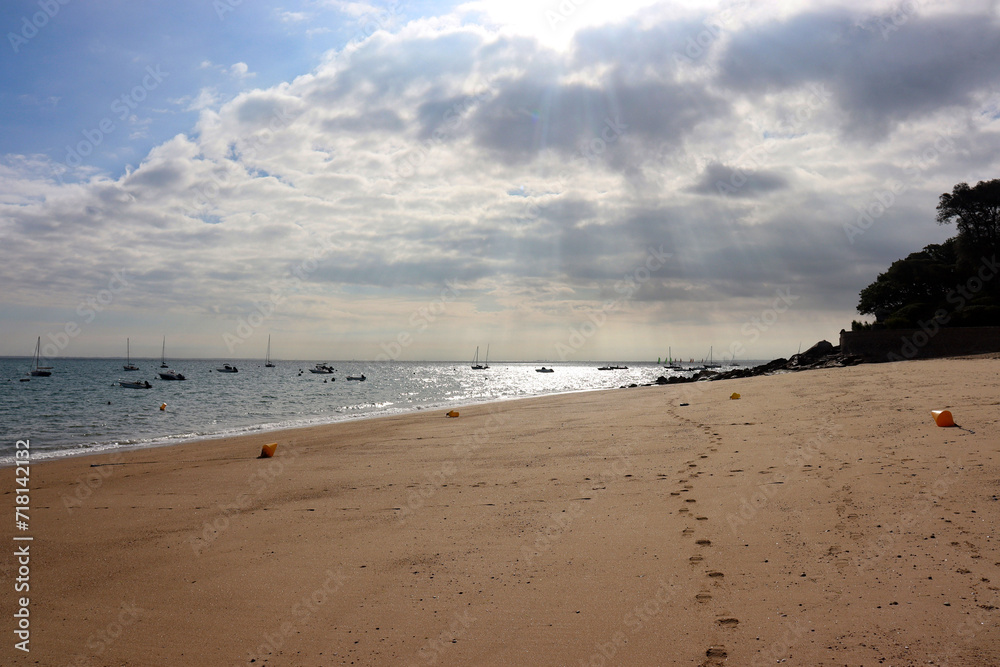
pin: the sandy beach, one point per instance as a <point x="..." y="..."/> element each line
<point x="820" y="519"/>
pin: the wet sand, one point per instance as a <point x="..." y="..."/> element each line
<point x="821" y="519"/>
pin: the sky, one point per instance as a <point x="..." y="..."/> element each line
<point x="574" y="180"/>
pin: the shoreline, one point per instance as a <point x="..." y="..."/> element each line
<point x="820" y="519"/>
<point x="264" y="429"/>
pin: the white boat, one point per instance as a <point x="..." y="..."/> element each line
<point x="36" y="370"/>
<point x="128" y="358"/>
<point x="709" y="365"/>
<point x="171" y="375"/>
<point x="135" y="385"/>
<point x="163" y="354"/>
<point x="267" y="357"/>
<point x="670" y="365"/>
<point x="322" y="369"/>
<point x="226" y="368"/>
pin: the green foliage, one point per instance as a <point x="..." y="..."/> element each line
<point x="976" y="214"/>
<point x="945" y="281"/>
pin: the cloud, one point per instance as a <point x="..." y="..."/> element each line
<point x="241" y="71"/>
<point x="537" y="179"/>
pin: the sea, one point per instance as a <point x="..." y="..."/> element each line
<point x="81" y="409"/>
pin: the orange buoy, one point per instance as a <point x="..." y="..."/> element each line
<point x="734" y="396"/>
<point x="453" y="413"/>
<point x="943" y="417"/>
<point x="163" y="406"/>
<point x="267" y="451"/>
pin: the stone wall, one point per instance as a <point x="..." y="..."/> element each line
<point x="927" y="343"/>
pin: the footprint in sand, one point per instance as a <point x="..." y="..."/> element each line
<point x="704" y="543"/>
<point x="683" y="510"/>
<point x="675" y="493"/>
<point x="701" y="518"/>
<point x="696" y="559"/>
<point x="690" y="500"/>
<point x="703" y="596"/>
<point x="728" y="622"/>
<point x="687" y="531"/>
<point x="715" y="574"/>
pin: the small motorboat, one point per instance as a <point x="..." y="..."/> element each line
<point x="226" y="368"/>
<point x="144" y="384"/>
<point x="322" y="369"/>
<point x="543" y="369"/>
<point x="613" y="368"/>
<point x="171" y="375"/>
<point x="359" y="378"/>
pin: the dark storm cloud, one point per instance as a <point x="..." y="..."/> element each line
<point x="719" y="179"/>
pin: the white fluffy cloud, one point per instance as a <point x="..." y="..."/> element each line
<point x="535" y="179"/>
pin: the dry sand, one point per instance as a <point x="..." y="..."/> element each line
<point x="821" y="519"/>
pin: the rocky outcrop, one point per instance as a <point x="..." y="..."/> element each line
<point x="821" y="355"/>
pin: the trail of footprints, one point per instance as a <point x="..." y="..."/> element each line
<point x="715" y="654"/>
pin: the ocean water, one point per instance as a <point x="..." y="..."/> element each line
<point x="79" y="409"/>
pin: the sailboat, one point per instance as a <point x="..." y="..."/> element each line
<point x="267" y="358"/>
<point x="36" y="370"/>
<point x="163" y="354"/>
<point x="671" y="366"/>
<point x="476" y="366"/>
<point x="710" y="364"/>
<point x="128" y="358"/>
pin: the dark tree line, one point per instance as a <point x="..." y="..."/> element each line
<point x="956" y="282"/>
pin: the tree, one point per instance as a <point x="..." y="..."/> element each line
<point x="918" y="284"/>
<point x="976" y="213"/>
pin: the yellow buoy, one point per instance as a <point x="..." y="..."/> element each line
<point x="943" y="417"/>
<point x="734" y="396"/>
<point x="267" y="451"/>
<point x="453" y="413"/>
<point x="163" y="406"/>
